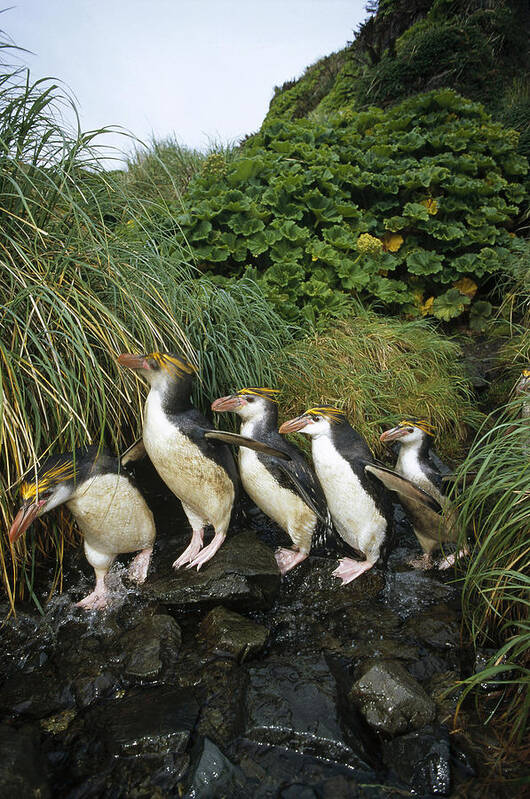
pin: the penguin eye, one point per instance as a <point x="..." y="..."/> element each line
<point x="250" y="399"/>
<point x="153" y="364"/>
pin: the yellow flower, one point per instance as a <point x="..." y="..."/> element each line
<point x="392" y="242"/>
<point x="368" y="245"/>
<point x="314" y="258"/>
<point x="466" y="286"/>
<point x="426" y="306"/>
<point x="431" y="206"/>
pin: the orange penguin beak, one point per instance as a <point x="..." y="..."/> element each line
<point x="230" y="403"/>
<point x="26" y="515"/>
<point x="294" y="425"/>
<point x="393" y="434"/>
<point x="133" y="361"/>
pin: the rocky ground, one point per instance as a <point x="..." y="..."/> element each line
<point x="233" y="682"/>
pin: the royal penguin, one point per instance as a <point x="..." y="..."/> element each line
<point x="190" y="457"/>
<point x="415" y="462"/>
<point x="107" y="505"/>
<point x="288" y="492"/>
<point x="354" y="486"/>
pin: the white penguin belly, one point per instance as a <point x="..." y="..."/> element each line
<point x="430" y="528"/>
<point x="112" y="515"/>
<point x="196" y="480"/>
<point x="283" y="506"/>
<point x="353" y="510"/>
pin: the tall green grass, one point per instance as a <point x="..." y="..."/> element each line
<point x="76" y="292"/>
<point x="495" y="506"/>
<point x="380" y="369"/>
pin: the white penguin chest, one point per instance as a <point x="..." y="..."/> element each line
<point x="112" y="514"/>
<point x="408" y="465"/>
<point x="353" y="510"/>
<point x="281" y="504"/>
<point x="195" y="479"/>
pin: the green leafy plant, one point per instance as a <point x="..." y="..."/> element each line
<point x="433" y="181"/>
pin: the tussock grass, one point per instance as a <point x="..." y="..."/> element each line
<point x="380" y="369"/>
<point x="161" y="170"/>
<point x="495" y="504"/>
<point x="76" y="292"/>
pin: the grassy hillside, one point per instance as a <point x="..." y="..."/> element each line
<point x="477" y="47"/>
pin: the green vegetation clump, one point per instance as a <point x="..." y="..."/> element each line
<point x="495" y="506"/>
<point x="77" y="291"/>
<point x="432" y="183"/>
<point x="407" y="47"/>
<point x="381" y="370"/>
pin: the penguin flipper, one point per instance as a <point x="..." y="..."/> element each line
<point x="133" y="453"/>
<point x="302" y="491"/>
<point x="245" y="441"/>
<point x="395" y="482"/>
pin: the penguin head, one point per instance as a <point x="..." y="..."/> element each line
<point x="320" y="421"/>
<point x="410" y="433"/>
<point x="161" y="369"/>
<point x="523" y="384"/>
<point x="56" y="481"/>
<point x="250" y="403"/>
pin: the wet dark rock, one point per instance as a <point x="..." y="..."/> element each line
<point x="410" y="592"/>
<point x="139" y="777"/>
<point x="228" y="633"/>
<point x="315" y="611"/>
<point x="151" y="648"/>
<point x="272" y="771"/>
<point x="222" y="689"/>
<point x="421" y="760"/>
<point x="313" y="578"/>
<point x="22" y="766"/>
<point x="148" y="721"/>
<point x="443" y="689"/>
<point x="391" y="700"/>
<point x="438" y="627"/>
<point x="36" y="695"/>
<point x="243" y="574"/>
<point x="212" y="775"/>
<point x="293" y="703"/>
<point x="298" y="791"/>
<point x="93" y="682"/>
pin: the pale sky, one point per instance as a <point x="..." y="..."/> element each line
<point x="198" y="69"/>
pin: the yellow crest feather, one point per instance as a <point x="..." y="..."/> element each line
<point x="421" y="424"/>
<point x="335" y="415"/>
<point x="265" y="393"/>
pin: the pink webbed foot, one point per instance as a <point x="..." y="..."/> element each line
<point x="450" y="560"/>
<point x="192" y="550"/>
<point x="425" y="562"/>
<point x="349" y="569"/>
<point x="208" y="552"/>
<point x="287" y="559"/>
<point x="139" y="565"/>
<point x="94" y="601"/>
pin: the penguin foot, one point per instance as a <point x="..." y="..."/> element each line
<point x="208" y="552"/>
<point x="287" y="559"/>
<point x="139" y="565"/>
<point x="192" y="550"/>
<point x="94" y="601"/>
<point x="349" y="569"/>
<point x="450" y="560"/>
<point x="425" y="562"/>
